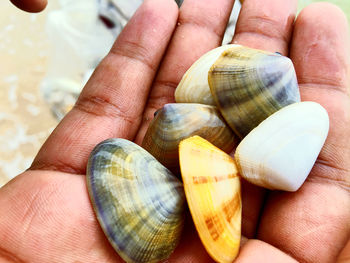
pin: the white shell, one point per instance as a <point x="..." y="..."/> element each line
<point x="281" y="151"/>
<point x="194" y="86"/>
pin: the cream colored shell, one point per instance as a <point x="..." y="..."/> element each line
<point x="194" y="87"/>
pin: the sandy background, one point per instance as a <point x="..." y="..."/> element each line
<point x="25" y="118"/>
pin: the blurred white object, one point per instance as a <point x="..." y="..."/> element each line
<point x="79" y="41"/>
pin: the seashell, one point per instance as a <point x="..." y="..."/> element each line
<point x="248" y="85"/>
<point x="281" y="151"/>
<point x="212" y="188"/>
<point x="178" y="121"/>
<point x="138" y="202"/>
<point x="194" y="86"/>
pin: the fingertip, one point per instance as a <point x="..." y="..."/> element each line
<point x="321" y="37"/>
<point x="266" y="25"/>
<point x="324" y="19"/>
<point x="156" y="17"/>
<point x="32" y="6"/>
<point x="168" y="8"/>
<point x="324" y="12"/>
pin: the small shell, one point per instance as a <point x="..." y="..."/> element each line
<point x="281" y="151"/>
<point x="194" y="87"/>
<point x="248" y="85"/>
<point x="138" y="202"/>
<point x="178" y="121"/>
<point x="213" y="192"/>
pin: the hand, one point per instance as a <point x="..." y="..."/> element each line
<point x="30" y="5"/>
<point x="46" y="215"/>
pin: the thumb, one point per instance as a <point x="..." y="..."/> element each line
<point x="32" y="6"/>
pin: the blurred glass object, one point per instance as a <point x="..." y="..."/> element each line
<point x="79" y="41"/>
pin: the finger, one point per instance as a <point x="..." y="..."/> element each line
<point x="313" y="224"/>
<point x="112" y="102"/>
<point x="266" y="25"/>
<point x="326" y="46"/>
<point x="200" y="28"/>
<point x="30" y="5"/>
<point x="260" y="252"/>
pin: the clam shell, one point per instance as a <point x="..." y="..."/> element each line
<point x="178" y="121"/>
<point x="248" y="85"/>
<point x="281" y="151"/>
<point x="138" y="202"/>
<point x="194" y="87"/>
<point x="212" y="188"/>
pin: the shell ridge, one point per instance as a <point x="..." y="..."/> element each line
<point x="136" y="217"/>
<point x="248" y="85"/>
<point x="210" y="189"/>
<point x="185" y="120"/>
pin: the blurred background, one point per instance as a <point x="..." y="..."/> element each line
<point x="45" y="60"/>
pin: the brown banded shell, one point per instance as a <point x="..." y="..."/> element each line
<point x="138" y="202"/>
<point x="248" y="85"/>
<point x="178" y="121"/>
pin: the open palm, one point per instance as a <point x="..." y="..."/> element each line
<point x="46" y="215"/>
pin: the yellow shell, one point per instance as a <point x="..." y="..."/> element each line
<point x="213" y="193"/>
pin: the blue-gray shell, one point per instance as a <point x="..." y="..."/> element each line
<point x="138" y="202"/>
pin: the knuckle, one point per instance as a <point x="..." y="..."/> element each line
<point x="102" y="107"/>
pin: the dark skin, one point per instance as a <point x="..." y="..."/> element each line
<point x="46" y="212"/>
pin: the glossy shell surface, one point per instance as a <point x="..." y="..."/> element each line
<point x="178" y="121"/>
<point x="138" y="202"/>
<point x="281" y="151"/>
<point x="213" y="193"/>
<point x="248" y="85"/>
